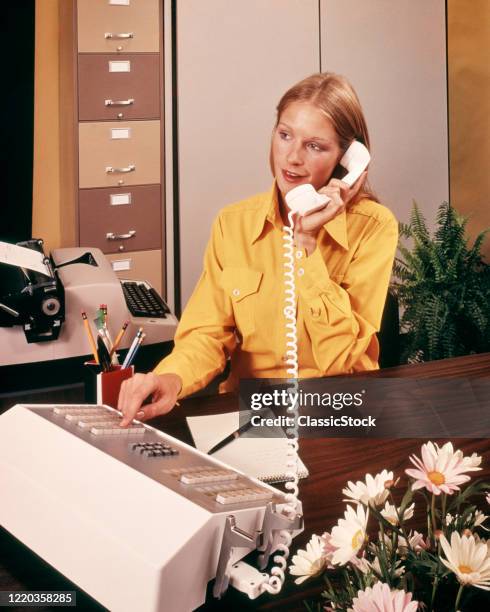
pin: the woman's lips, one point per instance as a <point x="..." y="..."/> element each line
<point x="292" y="177"/>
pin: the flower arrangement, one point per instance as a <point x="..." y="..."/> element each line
<point x="402" y="570"/>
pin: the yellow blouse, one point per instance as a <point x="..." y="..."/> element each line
<point x="237" y="306"/>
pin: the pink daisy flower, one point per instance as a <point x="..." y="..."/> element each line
<point x="441" y="470"/>
<point x="380" y="598"/>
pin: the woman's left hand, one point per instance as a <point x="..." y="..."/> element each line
<point x="306" y="228"/>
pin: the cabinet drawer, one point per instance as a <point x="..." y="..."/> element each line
<point x="114" y="25"/>
<point x="121" y="212"/>
<point x="143" y="265"/>
<point x="109" y="94"/>
<point x="131" y="150"/>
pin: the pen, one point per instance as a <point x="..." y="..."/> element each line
<point x="118" y="338"/>
<point x="132" y="348"/>
<point x="133" y="354"/>
<point x="86" y="324"/>
<point x="230" y="438"/>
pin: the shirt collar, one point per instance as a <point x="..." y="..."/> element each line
<point x="336" y="228"/>
<point x="268" y="212"/>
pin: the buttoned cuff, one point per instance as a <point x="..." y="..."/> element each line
<point x="312" y="275"/>
<point x="318" y="289"/>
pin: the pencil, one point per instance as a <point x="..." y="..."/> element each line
<point x="90" y="337"/>
<point x="118" y="338"/>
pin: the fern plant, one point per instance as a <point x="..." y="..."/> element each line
<point x="443" y="287"/>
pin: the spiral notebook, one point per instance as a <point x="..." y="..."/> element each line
<point x="262" y="458"/>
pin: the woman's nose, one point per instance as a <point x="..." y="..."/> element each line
<point x="294" y="154"/>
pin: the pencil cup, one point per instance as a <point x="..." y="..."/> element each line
<point x="104" y="387"/>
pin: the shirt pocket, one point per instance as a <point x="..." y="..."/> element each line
<point x="242" y="285"/>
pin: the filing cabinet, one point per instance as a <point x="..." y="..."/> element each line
<point x="112" y="153"/>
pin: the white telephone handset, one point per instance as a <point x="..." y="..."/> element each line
<point x="304" y="199"/>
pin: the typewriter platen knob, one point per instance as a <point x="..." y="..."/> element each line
<point x="51" y="306"/>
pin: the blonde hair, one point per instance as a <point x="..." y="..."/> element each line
<point x="336" y="98"/>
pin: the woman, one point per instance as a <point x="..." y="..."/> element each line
<point x="344" y="255"/>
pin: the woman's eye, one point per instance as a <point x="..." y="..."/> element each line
<point x="284" y="135"/>
<point x="314" y="146"/>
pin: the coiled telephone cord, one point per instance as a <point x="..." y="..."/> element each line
<point x="277" y="574"/>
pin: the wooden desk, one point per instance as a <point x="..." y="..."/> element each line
<point x="331" y="462"/>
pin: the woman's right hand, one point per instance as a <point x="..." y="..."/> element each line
<point x="163" y="390"/>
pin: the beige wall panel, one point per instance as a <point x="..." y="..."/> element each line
<point x="98" y="17"/>
<point x="235" y="60"/>
<point x="98" y="151"/>
<point x="143" y="265"/>
<point x="469" y="95"/>
<point x="394" y="53"/>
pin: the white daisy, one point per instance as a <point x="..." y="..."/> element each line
<point x="389" y="512"/>
<point x="468" y="559"/>
<point x="442" y="470"/>
<point x="309" y="562"/>
<point x="361" y="563"/>
<point x="372" y="491"/>
<point x="469" y="462"/>
<point x="381" y="598"/>
<point x="480" y="518"/>
<point x="349" y="535"/>
<point x="415" y="540"/>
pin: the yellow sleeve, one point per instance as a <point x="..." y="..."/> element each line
<point x="205" y="335"/>
<point x="342" y="320"/>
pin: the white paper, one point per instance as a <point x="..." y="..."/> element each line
<point x="121" y="264"/>
<point x="120" y="66"/>
<point x="262" y="458"/>
<point x="23" y="257"/>
<point x="120" y="133"/>
<point x="119" y="2"/>
<point x="117" y="199"/>
<point x="207" y="431"/>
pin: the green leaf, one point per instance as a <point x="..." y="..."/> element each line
<point x="443" y="288"/>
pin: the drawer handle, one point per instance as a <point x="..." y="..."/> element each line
<point x="127" y="102"/>
<point x="111" y="170"/>
<point x="118" y="35"/>
<point x="112" y="236"/>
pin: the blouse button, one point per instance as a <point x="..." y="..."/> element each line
<point x="236" y="292"/>
<point x="301" y="272"/>
<point x="299" y="254"/>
